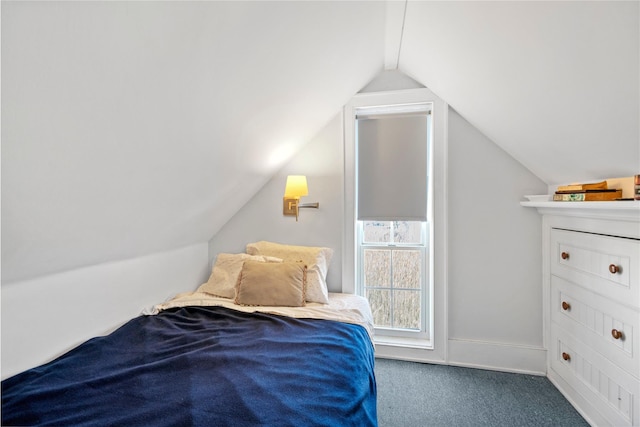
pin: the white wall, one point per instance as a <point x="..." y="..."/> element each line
<point x="262" y="219"/>
<point x="44" y="317"/>
<point x="322" y="161"/>
<point x="495" y="312"/>
<point x="495" y="273"/>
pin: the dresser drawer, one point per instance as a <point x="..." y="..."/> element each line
<point x="602" y="264"/>
<point x="613" y="392"/>
<point x="605" y="326"/>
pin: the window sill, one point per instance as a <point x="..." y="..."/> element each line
<point x="406" y="342"/>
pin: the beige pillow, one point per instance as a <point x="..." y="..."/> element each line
<point x="317" y="260"/>
<point x="226" y="272"/>
<point x="273" y="284"/>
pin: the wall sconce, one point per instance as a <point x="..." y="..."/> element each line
<point x="296" y="187"/>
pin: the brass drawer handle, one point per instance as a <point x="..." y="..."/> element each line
<point x="616" y="334"/>
<point x="566" y="356"/>
<point x="564" y="255"/>
<point x="566" y="305"/>
<point x="613" y="269"/>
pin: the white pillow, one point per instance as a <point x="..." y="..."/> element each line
<point x="317" y="260"/>
<point x="226" y="273"/>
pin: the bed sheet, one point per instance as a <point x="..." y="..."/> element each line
<point x="342" y="307"/>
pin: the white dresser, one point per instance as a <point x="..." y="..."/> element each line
<point x="591" y="294"/>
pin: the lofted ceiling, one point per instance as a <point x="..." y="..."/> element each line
<point x="554" y="83"/>
<point x="136" y="127"/>
<point x="130" y="128"/>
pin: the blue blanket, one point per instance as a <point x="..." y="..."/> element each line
<point x="204" y="366"/>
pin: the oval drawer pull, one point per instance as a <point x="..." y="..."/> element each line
<point x="564" y="255"/>
<point x="566" y="356"/>
<point x="613" y="269"/>
<point x="616" y="334"/>
<point x="566" y="305"/>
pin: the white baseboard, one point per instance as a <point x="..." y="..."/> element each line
<point x="497" y="357"/>
<point x="583" y="406"/>
<point x="475" y="354"/>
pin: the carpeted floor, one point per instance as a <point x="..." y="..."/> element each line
<point x="420" y="395"/>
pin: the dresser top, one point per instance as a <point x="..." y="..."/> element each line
<point x="628" y="210"/>
<point x="620" y="218"/>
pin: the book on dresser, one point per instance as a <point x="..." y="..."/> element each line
<point x="587" y="195"/>
<point x="570" y="188"/>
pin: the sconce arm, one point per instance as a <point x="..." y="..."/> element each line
<point x="315" y="205"/>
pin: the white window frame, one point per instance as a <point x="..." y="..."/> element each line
<point x="435" y="349"/>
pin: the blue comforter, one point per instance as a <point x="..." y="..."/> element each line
<point x="204" y="366"/>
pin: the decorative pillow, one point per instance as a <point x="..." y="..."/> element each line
<point x="274" y="284"/>
<point x="317" y="260"/>
<point x="226" y="272"/>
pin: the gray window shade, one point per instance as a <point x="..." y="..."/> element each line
<point x="392" y="167"/>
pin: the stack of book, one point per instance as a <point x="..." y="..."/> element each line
<point x="597" y="191"/>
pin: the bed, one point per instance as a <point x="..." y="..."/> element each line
<point x="209" y="360"/>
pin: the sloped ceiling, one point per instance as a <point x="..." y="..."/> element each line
<point x="554" y="83"/>
<point x="135" y="127"/>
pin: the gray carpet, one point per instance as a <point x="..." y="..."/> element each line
<point x="417" y="394"/>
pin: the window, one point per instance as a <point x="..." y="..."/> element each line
<point x="392" y="145"/>
<point x="398" y="258"/>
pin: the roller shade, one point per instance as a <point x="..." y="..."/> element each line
<point x="392" y="166"/>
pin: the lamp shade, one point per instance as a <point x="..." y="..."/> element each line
<point x="296" y="186"/>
